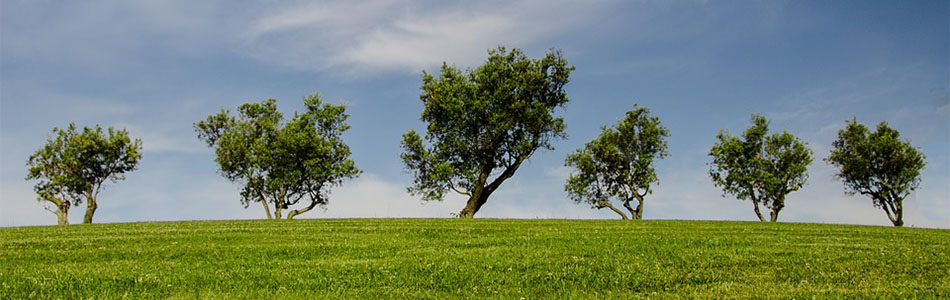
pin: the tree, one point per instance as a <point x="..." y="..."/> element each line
<point x="281" y="163"/>
<point x="73" y="167"/>
<point x="619" y="163"/>
<point x="760" y="168"/>
<point x="484" y="123"/>
<point x="877" y="164"/>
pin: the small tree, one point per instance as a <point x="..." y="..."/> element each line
<point x="619" y="163"/>
<point x="877" y="164"/>
<point x="73" y="166"/>
<point x="281" y="164"/>
<point x="760" y="168"/>
<point x="484" y="123"/>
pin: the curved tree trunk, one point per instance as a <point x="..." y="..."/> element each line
<point x="480" y="195"/>
<point x="296" y="212"/>
<point x="635" y="213"/>
<point x="899" y="213"/>
<point x="62" y="209"/>
<point x="474" y="203"/>
<point x="602" y="204"/>
<point x="757" y="213"/>
<point x="267" y="209"/>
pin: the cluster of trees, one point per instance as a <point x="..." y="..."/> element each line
<point x="74" y="164"/>
<point x="483" y="124"/>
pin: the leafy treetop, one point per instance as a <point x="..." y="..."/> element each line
<point x="278" y="163"/>
<point x="485" y="123"/>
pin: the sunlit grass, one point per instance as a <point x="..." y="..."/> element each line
<point x="452" y="258"/>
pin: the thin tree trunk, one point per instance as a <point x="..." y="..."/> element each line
<point x="639" y="209"/>
<point x="886" y="207"/>
<point x="91" y="207"/>
<point x="899" y="212"/>
<point x="757" y="213"/>
<point x="293" y="213"/>
<point x="633" y="212"/>
<point x="602" y="204"/>
<point x="266" y="208"/>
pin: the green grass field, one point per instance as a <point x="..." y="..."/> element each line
<point x="452" y="258"/>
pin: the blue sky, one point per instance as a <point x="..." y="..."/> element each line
<point x="156" y="67"/>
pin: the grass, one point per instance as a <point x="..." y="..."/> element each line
<point x="490" y="258"/>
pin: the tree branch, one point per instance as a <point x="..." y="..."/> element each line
<point x="604" y="203"/>
<point x="509" y="171"/>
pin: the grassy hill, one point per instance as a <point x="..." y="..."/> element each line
<point x="451" y="258"/>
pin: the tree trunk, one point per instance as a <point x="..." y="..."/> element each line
<point x="90" y="210"/>
<point x="635" y="214"/>
<point x="757" y="213"/>
<point x="474" y="203"/>
<point x="898" y="217"/>
<point x="602" y="204"/>
<point x="266" y="209"/>
<point x="899" y="213"/>
<point x="296" y="212"/>
<point x="62" y="209"/>
<point x="62" y="214"/>
<point x="885" y="204"/>
<point x="479" y="195"/>
<point x="639" y="210"/>
<point x="776" y="207"/>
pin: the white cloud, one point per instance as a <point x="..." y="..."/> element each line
<point x="386" y="35"/>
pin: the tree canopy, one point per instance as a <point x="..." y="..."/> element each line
<point x="483" y="123"/>
<point x="619" y="164"/>
<point x="877" y="164"/>
<point x="758" y="167"/>
<point x="74" y="164"/>
<point x="281" y="163"/>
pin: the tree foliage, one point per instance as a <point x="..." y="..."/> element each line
<point x="877" y="164"/>
<point x="619" y="164"/>
<point x="484" y="123"/>
<point x="759" y="167"/>
<point x="281" y="163"/>
<point x="74" y="164"/>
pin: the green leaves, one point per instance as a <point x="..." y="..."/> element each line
<point x="619" y="163"/>
<point x="74" y="164"/>
<point x="281" y="162"/>
<point x="491" y="118"/>
<point x="877" y="164"/>
<point x="759" y="167"/>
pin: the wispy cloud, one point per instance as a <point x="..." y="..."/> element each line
<point x="373" y="36"/>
